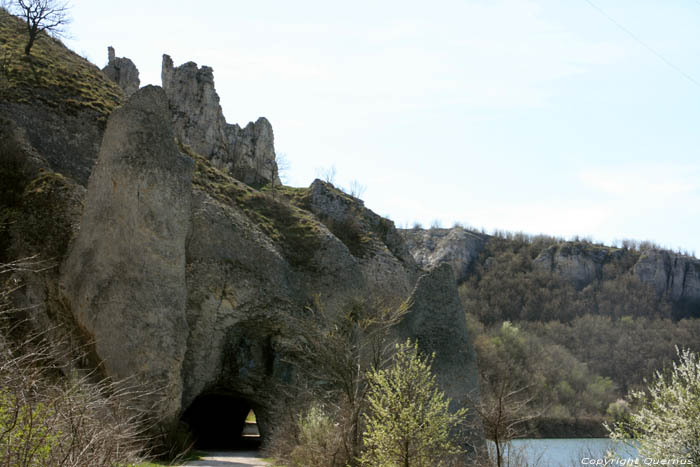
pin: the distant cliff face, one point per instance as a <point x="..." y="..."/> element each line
<point x="672" y="275"/>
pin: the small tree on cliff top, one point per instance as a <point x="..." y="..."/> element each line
<point x="409" y="422"/>
<point x="41" y="15"/>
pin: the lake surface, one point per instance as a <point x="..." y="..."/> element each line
<point x="562" y="452"/>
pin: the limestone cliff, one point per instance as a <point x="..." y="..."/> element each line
<point x="124" y="277"/>
<point x="192" y="278"/>
<point x="437" y="322"/>
<point x="246" y="153"/>
<point x="673" y="276"/>
<point x="172" y="264"/>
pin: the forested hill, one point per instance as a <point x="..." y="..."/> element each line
<point x="577" y="323"/>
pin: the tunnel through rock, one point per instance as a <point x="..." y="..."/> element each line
<point x="218" y="421"/>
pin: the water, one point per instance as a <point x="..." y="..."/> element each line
<point x="563" y="452"/>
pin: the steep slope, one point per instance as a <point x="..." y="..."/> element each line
<point x="59" y="99"/>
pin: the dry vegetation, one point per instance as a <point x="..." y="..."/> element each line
<point x="53" y="412"/>
<point x="52" y="75"/>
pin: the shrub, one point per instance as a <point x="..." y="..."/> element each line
<point x="319" y="441"/>
<point x="409" y="422"/>
<point x="53" y="413"/>
<point x="664" y="419"/>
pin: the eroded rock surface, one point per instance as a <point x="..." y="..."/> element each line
<point x="577" y="264"/>
<point x="456" y="246"/>
<point x="122" y="71"/>
<point x="246" y="153"/>
<point x="437" y="322"/>
<point x="671" y="274"/>
<point x="124" y="276"/>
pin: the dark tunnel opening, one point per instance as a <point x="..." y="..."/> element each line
<point x="218" y="422"/>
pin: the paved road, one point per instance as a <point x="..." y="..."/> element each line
<point x="229" y="459"/>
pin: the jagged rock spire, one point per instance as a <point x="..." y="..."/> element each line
<point x="246" y="153"/>
<point x="122" y="71"/>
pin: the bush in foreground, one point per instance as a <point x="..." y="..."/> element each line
<point x="665" y="419"/>
<point x="51" y="412"/>
<point x="409" y="422"/>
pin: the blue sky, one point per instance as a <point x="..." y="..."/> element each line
<point x="540" y="116"/>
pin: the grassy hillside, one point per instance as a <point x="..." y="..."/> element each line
<point x="52" y="75"/>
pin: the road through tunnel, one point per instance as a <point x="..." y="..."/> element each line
<point x="218" y="421"/>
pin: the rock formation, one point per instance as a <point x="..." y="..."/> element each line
<point x="579" y="265"/>
<point x="125" y="273"/>
<point x="191" y="279"/>
<point x="123" y="72"/>
<point x="457" y="246"/>
<point x="671" y="274"/>
<point x="246" y="153"/>
<point x="437" y="322"/>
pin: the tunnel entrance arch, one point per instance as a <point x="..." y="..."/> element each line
<point x="217" y="421"/>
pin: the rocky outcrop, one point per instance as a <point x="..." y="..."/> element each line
<point x="69" y="143"/>
<point x="675" y="277"/>
<point x="437" y="322"/>
<point x="122" y="71"/>
<point x="192" y="280"/>
<point x="578" y="264"/>
<point x="246" y="153"/>
<point x="456" y="246"/>
<point x="245" y="286"/>
<point x="671" y="274"/>
<point x="253" y="160"/>
<point x="124" y="276"/>
<point x="343" y="213"/>
<point x="174" y="271"/>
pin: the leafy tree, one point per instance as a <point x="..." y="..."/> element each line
<point x="41" y="15"/>
<point x="665" y="419"/>
<point x="408" y="422"/>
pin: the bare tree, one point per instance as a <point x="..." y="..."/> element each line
<point x="283" y="167"/>
<point x="504" y="412"/>
<point x="327" y="174"/>
<point x="41" y="15"/>
<point x="333" y="353"/>
<point x="357" y="189"/>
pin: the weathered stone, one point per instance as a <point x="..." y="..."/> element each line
<point x="122" y="71"/>
<point x="577" y="264"/>
<point x="671" y="274"/>
<point x="437" y="322"/>
<point x="68" y="142"/>
<point x="254" y="152"/>
<point x="124" y="276"/>
<point x="456" y="246"/>
<point x="246" y="153"/>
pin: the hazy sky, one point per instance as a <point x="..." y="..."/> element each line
<point x="543" y="116"/>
